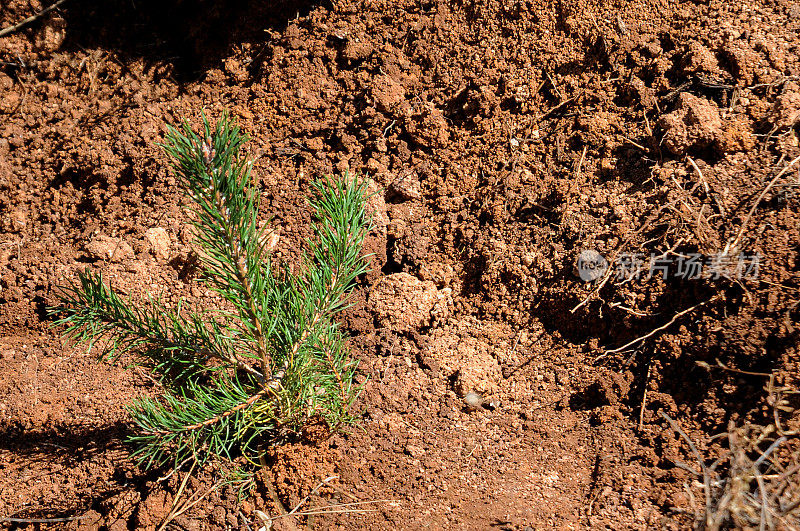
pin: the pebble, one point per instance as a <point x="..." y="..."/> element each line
<point x="473" y="400"/>
<point x="159" y="242"/>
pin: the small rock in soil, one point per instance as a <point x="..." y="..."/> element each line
<point x="459" y="353"/>
<point x="405" y="186"/>
<point x="159" y="242"/>
<point x="473" y="400"/>
<point x="103" y="247"/>
<point x="695" y="124"/>
<point x="403" y="302"/>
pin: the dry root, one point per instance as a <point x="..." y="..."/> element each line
<point x="754" y="485"/>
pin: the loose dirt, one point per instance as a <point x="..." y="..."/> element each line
<point x="505" y="137"/>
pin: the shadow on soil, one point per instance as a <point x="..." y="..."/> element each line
<point x="191" y="35"/>
<point x="67" y="444"/>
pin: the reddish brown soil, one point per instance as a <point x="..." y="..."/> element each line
<point x="507" y="136"/>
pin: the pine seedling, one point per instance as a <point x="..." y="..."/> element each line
<point x="269" y="363"/>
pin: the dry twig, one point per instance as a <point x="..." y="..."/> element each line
<point x="11" y="29"/>
<point x="334" y="508"/>
<point x="660" y="328"/>
<point x="749" y="494"/>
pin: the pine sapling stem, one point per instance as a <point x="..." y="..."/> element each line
<point x="241" y="274"/>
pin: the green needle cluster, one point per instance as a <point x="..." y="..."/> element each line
<point x="274" y="360"/>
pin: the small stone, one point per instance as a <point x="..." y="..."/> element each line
<point x="159" y="242"/>
<point x="406" y="186"/>
<point x="414" y="450"/>
<point x="528" y="259"/>
<point x="103" y="247"/>
<point x="473" y="400"/>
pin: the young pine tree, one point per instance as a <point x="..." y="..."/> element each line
<point x="260" y="370"/>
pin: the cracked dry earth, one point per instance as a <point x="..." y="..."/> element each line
<point x="504" y="136"/>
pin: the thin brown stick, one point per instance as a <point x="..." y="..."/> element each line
<point x="644" y="396"/>
<point x="313" y="492"/>
<point x="553" y="84"/>
<point x="32" y="18"/>
<point x="553" y="109"/>
<point x="706" y="187"/>
<point x="635" y="144"/>
<point x="720" y="365"/>
<point x="335" y="508"/>
<point x="699" y="174"/>
<point x="244" y="520"/>
<point x="578" y="169"/>
<point x="175" y="469"/>
<point x="580" y="162"/>
<point x="606" y="278"/>
<point x="171" y="513"/>
<point x="191" y="501"/>
<point x="660" y="328"/>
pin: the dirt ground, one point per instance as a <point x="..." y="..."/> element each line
<point x="506" y="136"/>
